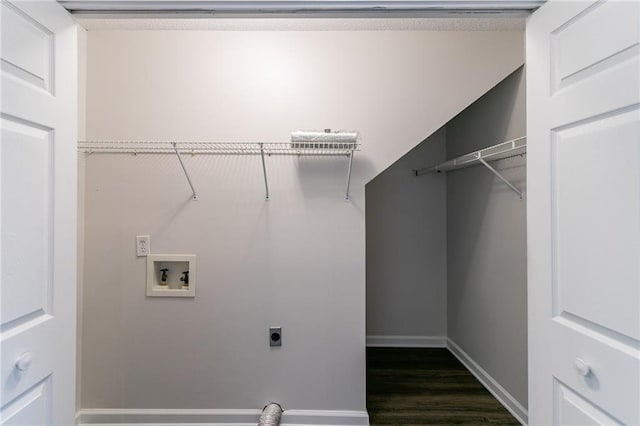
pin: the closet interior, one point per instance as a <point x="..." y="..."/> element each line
<point x="449" y="220"/>
<point x="281" y="236"/>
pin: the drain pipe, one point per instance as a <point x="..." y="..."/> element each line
<point x="271" y="414"/>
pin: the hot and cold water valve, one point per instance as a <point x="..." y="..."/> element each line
<point x="171" y="275"/>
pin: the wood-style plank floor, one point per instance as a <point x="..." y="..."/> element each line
<point x="427" y="387"/>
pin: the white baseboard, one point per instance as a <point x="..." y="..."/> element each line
<point x="332" y="418"/>
<point x="206" y="417"/>
<point x="501" y="394"/>
<point x="407" y="341"/>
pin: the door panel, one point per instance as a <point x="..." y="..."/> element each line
<point x="612" y="382"/>
<point x="571" y="62"/>
<point x="38" y="213"/>
<point x="577" y="411"/>
<point x="32" y="408"/>
<point x="597" y="271"/>
<point x="37" y="339"/>
<point x="27" y="47"/>
<point x="26" y="198"/>
<point x="583" y="212"/>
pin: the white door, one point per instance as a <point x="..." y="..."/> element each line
<point x="583" y="212"/>
<point x="38" y="213"/>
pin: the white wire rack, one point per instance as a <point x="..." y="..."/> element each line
<point x="508" y="149"/>
<point x="220" y="148"/>
<point x="315" y="149"/>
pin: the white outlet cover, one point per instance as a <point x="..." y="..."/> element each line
<point x="143" y="245"/>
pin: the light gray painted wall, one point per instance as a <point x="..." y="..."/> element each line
<point x="486" y="240"/>
<point x="298" y="260"/>
<point x="406" y="246"/>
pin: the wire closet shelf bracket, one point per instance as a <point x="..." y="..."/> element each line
<point x="512" y="148"/>
<point x="262" y="149"/>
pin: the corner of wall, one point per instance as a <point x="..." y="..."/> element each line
<point x="491" y="384"/>
<point x="82" y="131"/>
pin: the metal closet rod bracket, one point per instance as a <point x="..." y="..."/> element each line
<point x="264" y="172"/>
<point x="184" y="169"/>
<point x="349" y="176"/>
<point x="502" y="178"/>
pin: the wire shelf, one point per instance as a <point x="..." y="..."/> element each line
<point x="219" y="148"/>
<point x="179" y="148"/>
<point x="508" y="149"/>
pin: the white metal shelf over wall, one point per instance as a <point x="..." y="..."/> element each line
<point x="307" y="149"/>
<point x="508" y="149"/>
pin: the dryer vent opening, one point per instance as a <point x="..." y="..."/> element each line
<point x="271" y="415"/>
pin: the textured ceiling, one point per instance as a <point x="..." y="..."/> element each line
<point x="484" y="23"/>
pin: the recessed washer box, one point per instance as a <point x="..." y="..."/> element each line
<point x="171" y="275"/>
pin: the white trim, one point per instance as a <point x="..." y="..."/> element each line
<point x="217" y="417"/>
<point x="298" y="6"/>
<point x="165" y="416"/>
<point x="407" y="341"/>
<point x="325" y="417"/>
<point x="500" y="393"/>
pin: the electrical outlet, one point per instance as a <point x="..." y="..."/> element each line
<point x="275" y="336"/>
<point x="143" y="245"/>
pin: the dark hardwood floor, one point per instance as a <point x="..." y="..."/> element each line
<point x="427" y="387"/>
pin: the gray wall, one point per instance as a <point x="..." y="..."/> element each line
<point x="486" y="240"/>
<point x="406" y="246"/>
